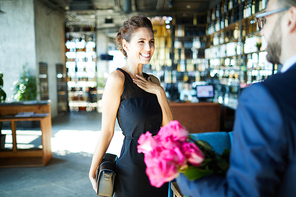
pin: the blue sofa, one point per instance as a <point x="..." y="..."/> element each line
<point x="218" y="140"/>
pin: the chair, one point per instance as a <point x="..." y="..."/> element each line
<point x="218" y="140"/>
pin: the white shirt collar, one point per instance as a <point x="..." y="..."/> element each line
<point x="288" y="63"/>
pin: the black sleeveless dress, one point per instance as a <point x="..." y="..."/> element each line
<point x="139" y="111"/>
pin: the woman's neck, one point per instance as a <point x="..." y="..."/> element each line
<point x="134" y="70"/>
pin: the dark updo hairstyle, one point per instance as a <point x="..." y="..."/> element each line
<point x="129" y="27"/>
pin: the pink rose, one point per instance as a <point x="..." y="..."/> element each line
<point x="146" y="143"/>
<point x="180" y="156"/>
<point x="173" y="130"/>
<point x="162" y="164"/>
<point x="167" y="152"/>
<point x="173" y="155"/>
<point x="167" y="142"/>
<point x="193" y="154"/>
<point x="152" y="158"/>
<point x="162" y="172"/>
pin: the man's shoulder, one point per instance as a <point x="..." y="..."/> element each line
<point x="281" y="84"/>
<point x="279" y="77"/>
<point x="275" y="83"/>
<point x="254" y="87"/>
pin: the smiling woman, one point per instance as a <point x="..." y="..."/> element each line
<point x="139" y="103"/>
<point x="141" y="46"/>
<point x="125" y="32"/>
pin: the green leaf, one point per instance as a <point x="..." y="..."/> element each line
<point x="226" y="154"/>
<point x="223" y="164"/>
<point x="2" y="95"/>
<point x="213" y="163"/>
<point x="201" y="143"/>
<point x="193" y="172"/>
<point x="205" y="145"/>
<point x="1" y="79"/>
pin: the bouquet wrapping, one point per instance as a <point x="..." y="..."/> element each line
<point x="173" y="151"/>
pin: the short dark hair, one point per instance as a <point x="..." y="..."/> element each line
<point x="129" y="27"/>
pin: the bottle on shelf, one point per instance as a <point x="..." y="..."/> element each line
<point x="230" y="4"/>
<point x="226" y="20"/>
<point x="218" y="10"/>
<point x="221" y="8"/>
<point x="231" y="17"/>
<point x="222" y="21"/>
<point x="213" y="14"/>
<point x="244" y="9"/>
<point x="260" y="5"/>
<point x="209" y="16"/>
<point x="253" y="7"/>
<point x="248" y="8"/>
<point x="264" y="2"/>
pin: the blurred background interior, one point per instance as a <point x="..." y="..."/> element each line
<point x="69" y="46"/>
<point x="60" y="53"/>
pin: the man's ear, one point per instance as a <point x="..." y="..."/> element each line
<point x="125" y="45"/>
<point x="292" y="19"/>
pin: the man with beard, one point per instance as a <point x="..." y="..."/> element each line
<point x="263" y="155"/>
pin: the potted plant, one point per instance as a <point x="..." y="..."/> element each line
<point x="25" y="87"/>
<point x="2" y="92"/>
<point x="258" y="45"/>
<point x="2" y="99"/>
<point x="26" y="90"/>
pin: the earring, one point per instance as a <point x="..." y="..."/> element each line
<point x="124" y="47"/>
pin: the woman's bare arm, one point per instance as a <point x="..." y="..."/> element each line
<point x="110" y="103"/>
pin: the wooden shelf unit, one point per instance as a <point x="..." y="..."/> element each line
<point x="198" y="117"/>
<point x="27" y="157"/>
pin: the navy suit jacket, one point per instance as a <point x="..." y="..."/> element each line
<point x="263" y="155"/>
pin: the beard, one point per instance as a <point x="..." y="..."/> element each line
<point x="274" y="45"/>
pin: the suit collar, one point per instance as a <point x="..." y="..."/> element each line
<point x="288" y="64"/>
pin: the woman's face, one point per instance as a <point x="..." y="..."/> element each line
<point x="141" y="47"/>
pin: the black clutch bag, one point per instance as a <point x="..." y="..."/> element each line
<point x="105" y="176"/>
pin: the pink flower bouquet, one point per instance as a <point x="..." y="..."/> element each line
<point x="173" y="151"/>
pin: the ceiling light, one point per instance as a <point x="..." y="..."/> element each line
<point x="108" y="20"/>
<point x="188" y="6"/>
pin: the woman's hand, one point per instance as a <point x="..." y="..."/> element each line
<point x="147" y="85"/>
<point x="152" y="85"/>
<point x="93" y="182"/>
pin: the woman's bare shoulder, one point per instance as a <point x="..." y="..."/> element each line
<point x="115" y="84"/>
<point x="116" y="76"/>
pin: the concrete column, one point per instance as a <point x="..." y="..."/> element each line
<point x="102" y="48"/>
<point x="50" y="46"/>
<point x="17" y="41"/>
<point x="30" y="33"/>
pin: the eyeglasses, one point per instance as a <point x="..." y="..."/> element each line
<point x="260" y="18"/>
